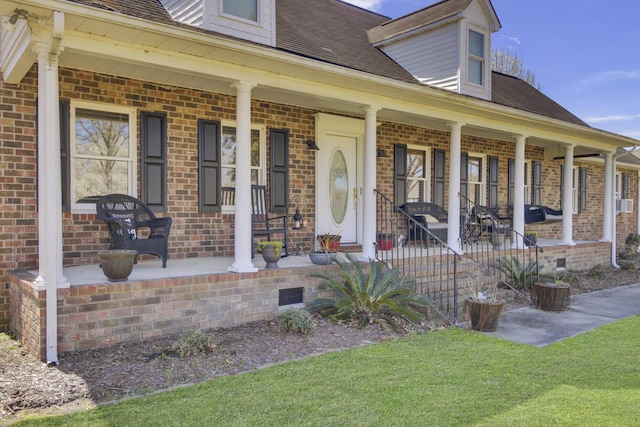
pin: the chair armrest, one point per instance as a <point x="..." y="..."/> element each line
<point x="158" y="226"/>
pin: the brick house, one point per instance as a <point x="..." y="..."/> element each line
<point x="243" y="80"/>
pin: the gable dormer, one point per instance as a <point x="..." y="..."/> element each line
<point x="252" y="20"/>
<point x="447" y="44"/>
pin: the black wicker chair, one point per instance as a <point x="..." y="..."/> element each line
<point x="125" y="216"/>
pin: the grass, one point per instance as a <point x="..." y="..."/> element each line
<point x="445" y="378"/>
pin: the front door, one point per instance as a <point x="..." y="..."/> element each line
<point x="337" y="187"/>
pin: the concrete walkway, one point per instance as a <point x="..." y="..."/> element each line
<point x="528" y="325"/>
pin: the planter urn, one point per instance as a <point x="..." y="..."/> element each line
<point x="117" y="264"/>
<point x="271" y="256"/>
<point x="321" y="258"/>
<point x="552" y="296"/>
<point x="484" y="315"/>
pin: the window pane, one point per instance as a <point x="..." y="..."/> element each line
<point x="255" y="147"/>
<point x="475" y="71"/>
<point x="100" y="133"/>
<point x="475" y="169"/>
<point x="228" y="145"/>
<point x="476" y="44"/>
<point x="228" y="177"/>
<point x="247" y="9"/>
<point x="99" y="177"/>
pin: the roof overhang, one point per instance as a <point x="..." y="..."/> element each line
<point x="105" y="42"/>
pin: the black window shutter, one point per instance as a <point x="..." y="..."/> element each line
<point x="464" y="178"/>
<point x="511" y="171"/>
<point x="537" y="183"/>
<point x="279" y="171"/>
<point x="209" y="171"/>
<point x="153" y="136"/>
<point x="438" y="177"/>
<point x="583" y="190"/>
<point x="400" y="174"/>
<point x="493" y="182"/>
<point x="624" y="194"/>
<point x="65" y="155"/>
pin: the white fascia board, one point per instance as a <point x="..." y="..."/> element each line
<point x="17" y="55"/>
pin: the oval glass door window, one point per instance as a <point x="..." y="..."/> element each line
<point x="338" y="186"/>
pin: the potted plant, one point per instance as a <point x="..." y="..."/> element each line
<point x="552" y="295"/>
<point x="270" y="251"/>
<point x="384" y="241"/>
<point x="530" y="238"/>
<point x="328" y="244"/>
<point x="483" y="306"/>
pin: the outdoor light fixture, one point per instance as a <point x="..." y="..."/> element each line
<point x="382" y="153"/>
<point x="297" y="220"/>
<point x="311" y="145"/>
<point x="10" y="24"/>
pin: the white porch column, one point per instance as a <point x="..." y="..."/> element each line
<point x="50" y="276"/>
<point x="609" y="191"/>
<point x="242" y="257"/>
<point x="567" y="197"/>
<point x="518" y="188"/>
<point x="453" y="230"/>
<point x="370" y="174"/>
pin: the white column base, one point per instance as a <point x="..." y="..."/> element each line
<point x="244" y="268"/>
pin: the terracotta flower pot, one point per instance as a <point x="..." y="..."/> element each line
<point x="117" y="264"/>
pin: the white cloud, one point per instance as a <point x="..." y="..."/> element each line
<point x="611" y="76"/>
<point x="613" y="118"/>
<point x="366" y="4"/>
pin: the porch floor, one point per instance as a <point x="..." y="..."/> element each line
<point x="152" y="269"/>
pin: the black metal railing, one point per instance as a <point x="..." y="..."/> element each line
<point x="407" y="244"/>
<point x="489" y="239"/>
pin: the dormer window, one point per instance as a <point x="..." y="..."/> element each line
<point x="476" y="58"/>
<point x="245" y="9"/>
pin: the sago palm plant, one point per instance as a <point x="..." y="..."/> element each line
<point x="369" y="296"/>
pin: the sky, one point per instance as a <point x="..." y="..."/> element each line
<point x="584" y="53"/>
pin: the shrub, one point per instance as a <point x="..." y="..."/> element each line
<point x="296" y="320"/>
<point x="193" y="343"/>
<point x="371" y="297"/>
<point x="597" y="271"/>
<point x="518" y="276"/>
<point x="627" y="265"/>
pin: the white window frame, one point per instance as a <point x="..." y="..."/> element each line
<point x="131" y="160"/>
<point x="483" y="177"/>
<point x="240" y="18"/>
<point x="482" y="60"/>
<point x="261" y="168"/>
<point x="427" y="170"/>
<point x="527" y="182"/>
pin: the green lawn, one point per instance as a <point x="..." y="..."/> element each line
<point x="445" y="378"/>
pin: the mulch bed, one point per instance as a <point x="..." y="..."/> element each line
<point x="84" y="378"/>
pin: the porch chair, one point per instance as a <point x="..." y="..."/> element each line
<point x="489" y="222"/>
<point x="263" y="224"/>
<point x="433" y="217"/>
<point x="125" y="216"/>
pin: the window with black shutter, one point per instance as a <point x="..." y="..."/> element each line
<point x="279" y="170"/>
<point x="209" y="152"/>
<point x="153" y="136"/>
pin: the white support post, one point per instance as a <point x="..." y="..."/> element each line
<point x="567" y="197"/>
<point x="609" y="194"/>
<point x="453" y="229"/>
<point x="518" y="191"/>
<point x="369" y="198"/>
<point x="242" y="256"/>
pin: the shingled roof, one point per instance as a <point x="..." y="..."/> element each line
<point x="339" y="33"/>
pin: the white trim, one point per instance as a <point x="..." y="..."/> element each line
<point x="427" y="169"/>
<point x="132" y="159"/>
<point x="261" y="168"/>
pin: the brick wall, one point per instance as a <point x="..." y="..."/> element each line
<point x="578" y="258"/>
<point x="91" y="316"/>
